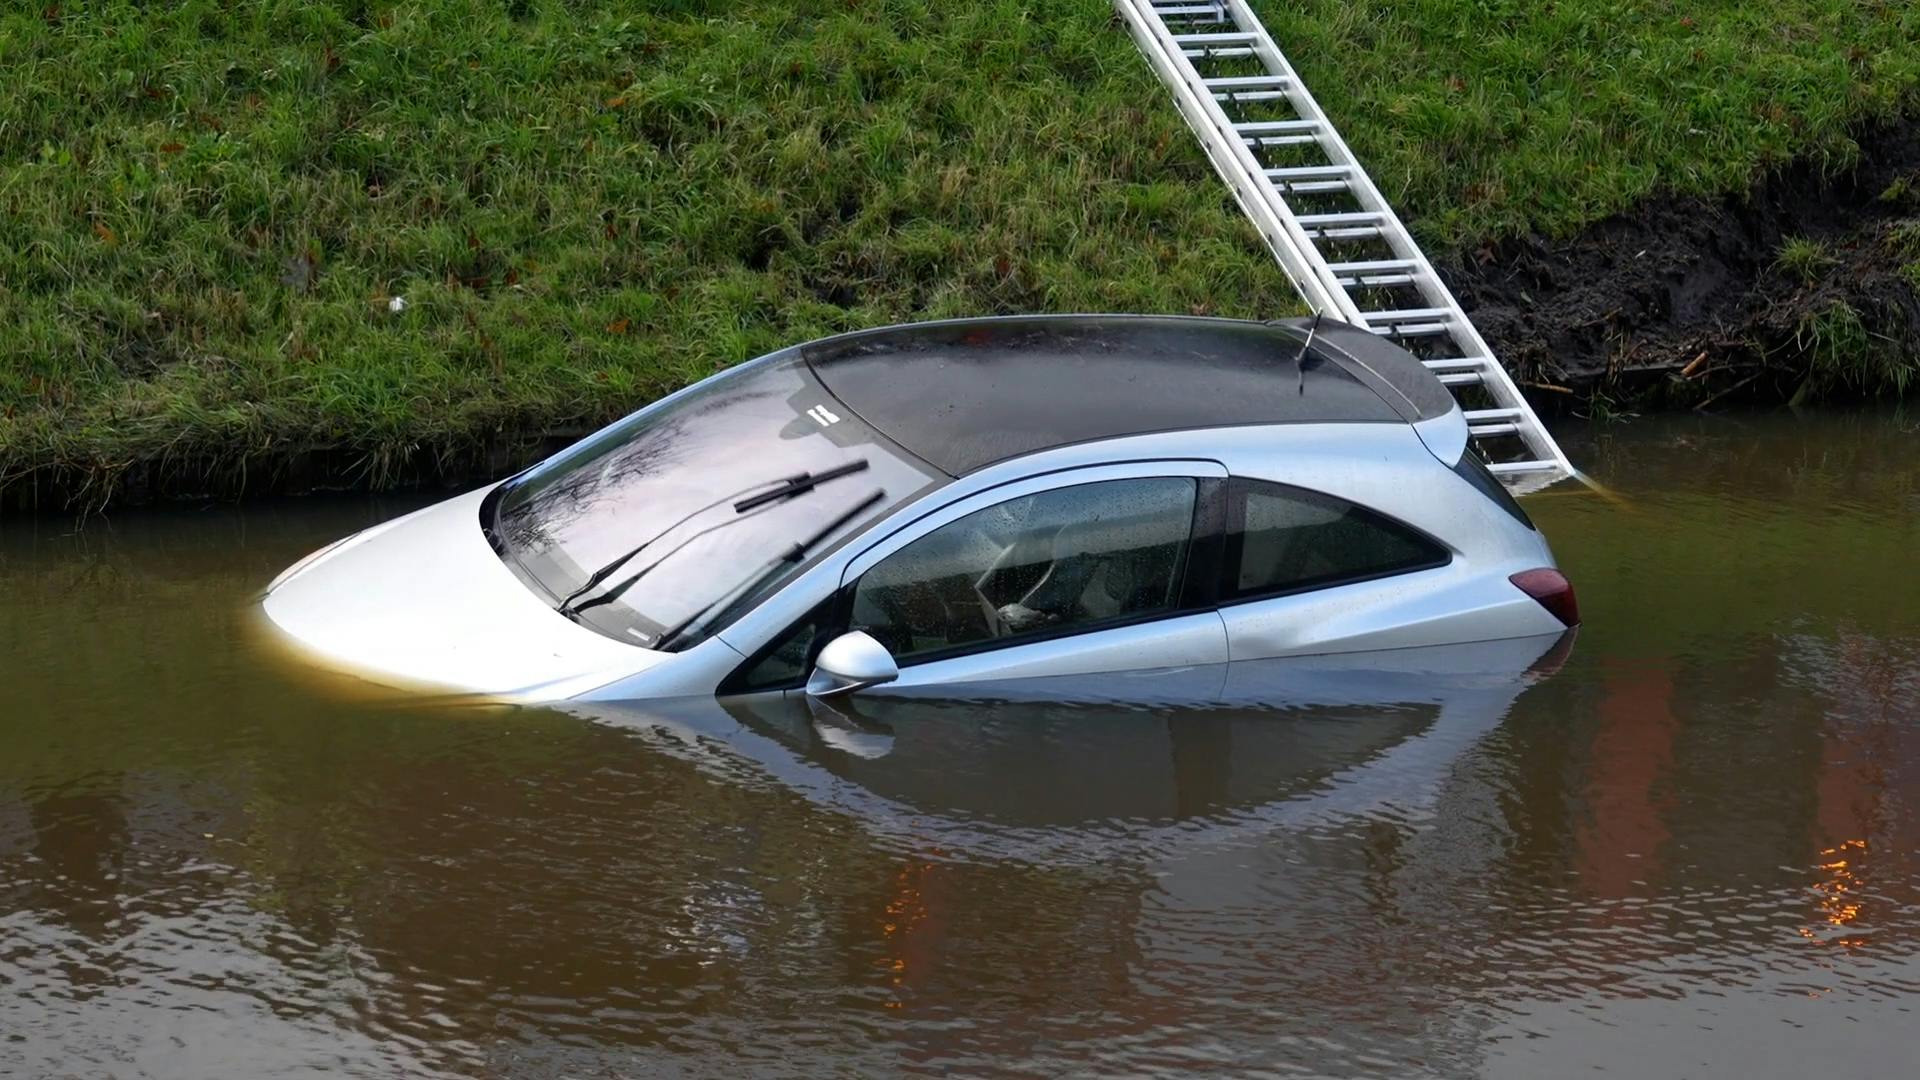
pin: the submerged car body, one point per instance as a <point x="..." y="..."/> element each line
<point x="956" y="502"/>
<point x="1181" y="762"/>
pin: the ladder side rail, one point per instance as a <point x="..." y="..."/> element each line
<point x="1494" y="377"/>
<point x="1236" y="164"/>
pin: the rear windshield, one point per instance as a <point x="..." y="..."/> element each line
<point x="697" y="487"/>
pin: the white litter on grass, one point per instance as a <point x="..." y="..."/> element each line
<point x="397" y="304"/>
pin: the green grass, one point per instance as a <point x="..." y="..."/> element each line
<point x="1904" y="238"/>
<point x="1841" y="352"/>
<point x="1804" y="259"/>
<point x="208" y="207"/>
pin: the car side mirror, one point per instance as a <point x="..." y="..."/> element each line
<point x="852" y="661"/>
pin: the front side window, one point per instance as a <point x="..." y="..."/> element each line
<point x="1282" y="540"/>
<point x="657" y="529"/>
<point x="1059" y="561"/>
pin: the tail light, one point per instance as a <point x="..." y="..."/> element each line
<point x="1552" y="589"/>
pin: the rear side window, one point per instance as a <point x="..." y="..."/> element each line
<point x="1283" y="540"/>
<point x="1475" y="472"/>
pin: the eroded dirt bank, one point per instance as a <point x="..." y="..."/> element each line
<point x="1808" y="285"/>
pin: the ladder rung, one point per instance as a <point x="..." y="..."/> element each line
<point x="1213" y="38"/>
<point x="1449" y="363"/>
<point x="1345" y="218"/>
<point x="1247" y="87"/>
<point x="1373" y="281"/>
<point x="1407" y="330"/>
<point x="1309" y="172"/>
<point x="1377" y="320"/>
<point x="1245" y="82"/>
<point x="1370" y="264"/>
<point x="1313" y="187"/>
<point x="1357" y="232"/>
<point x="1349" y="225"/>
<point x="1215" y="45"/>
<point x="1501" y="468"/>
<point x="1275" y="127"/>
<point x="1463" y="378"/>
<point x="1305" y="179"/>
<point x="1278" y="132"/>
<point x="1482" y="423"/>
<point x="1181" y="8"/>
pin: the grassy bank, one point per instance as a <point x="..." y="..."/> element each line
<point x="239" y="233"/>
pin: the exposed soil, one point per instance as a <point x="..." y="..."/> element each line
<point x="1684" y="301"/>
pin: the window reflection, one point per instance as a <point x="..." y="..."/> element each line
<point x="668" y="480"/>
<point x="1072" y="558"/>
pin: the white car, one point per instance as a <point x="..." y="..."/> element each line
<point x="955" y="502"/>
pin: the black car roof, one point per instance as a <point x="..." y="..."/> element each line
<point x="966" y="393"/>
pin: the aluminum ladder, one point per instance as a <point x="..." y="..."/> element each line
<point x="1335" y="236"/>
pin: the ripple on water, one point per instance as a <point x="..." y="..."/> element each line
<point x="1690" y="849"/>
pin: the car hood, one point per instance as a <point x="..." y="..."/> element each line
<point x="424" y="601"/>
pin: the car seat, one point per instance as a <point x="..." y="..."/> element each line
<point x="1057" y="596"/>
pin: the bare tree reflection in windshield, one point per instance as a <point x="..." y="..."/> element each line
<point x="535" y="525"/>
<point x="652" y="488"/>
<point x="788" y="559"/>
<point x="779" y="490"/>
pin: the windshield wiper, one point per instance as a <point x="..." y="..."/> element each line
<point x="786" y="487"/>
<point x="620" y="587"/>
<point x="790" y="557"/>
<point x="799" y="485"/>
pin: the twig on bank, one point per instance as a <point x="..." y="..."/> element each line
<point x="1728" y="390"/>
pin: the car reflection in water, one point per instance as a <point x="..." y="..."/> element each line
<point x="1088" y="769"/>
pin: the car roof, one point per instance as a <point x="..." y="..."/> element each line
<point x="966" y="393"/>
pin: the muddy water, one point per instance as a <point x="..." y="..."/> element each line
<point x="1691" y="850"/>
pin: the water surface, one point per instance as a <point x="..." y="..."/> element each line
<point x="1689" y="850"/>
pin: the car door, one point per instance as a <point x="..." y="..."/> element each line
<point x="1076" y="573"/>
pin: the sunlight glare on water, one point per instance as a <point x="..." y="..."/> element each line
<point x="1688" y="846"/>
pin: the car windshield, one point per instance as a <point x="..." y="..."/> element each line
<point x="675" y="518"/>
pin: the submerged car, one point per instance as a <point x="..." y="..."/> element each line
<point x="958" y="502"/>
<point x="1098" y="767"/>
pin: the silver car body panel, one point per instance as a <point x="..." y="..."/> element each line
<point x="431" y="603"/>
<point x="891" y="776"/>
<point x="1162" y="646"/>
<point x="425" y="602"/>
